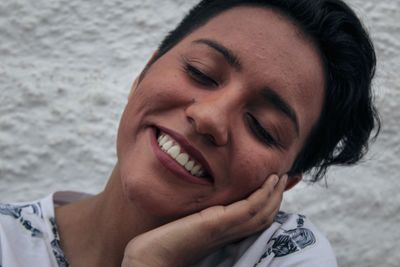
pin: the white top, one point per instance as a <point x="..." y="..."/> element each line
<point x="29" y="237"/>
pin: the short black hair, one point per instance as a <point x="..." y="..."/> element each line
<point x="343" y="131"/>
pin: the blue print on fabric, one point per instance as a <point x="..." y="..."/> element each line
<point x="289" y="241"/>
<point x="58" y="253"/>
<point x="15" y="212"/>
<point x="292" y="241"/>
<point x="56" y="246"/>
<point x="281" y="217"/>
<point x="283" y="245"/>
<point x="300" y="220"/>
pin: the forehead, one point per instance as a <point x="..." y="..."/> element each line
<point x="260" y="35"/>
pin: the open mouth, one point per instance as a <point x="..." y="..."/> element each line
<point x="183" y="155"/>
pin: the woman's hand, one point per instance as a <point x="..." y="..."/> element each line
<point x="185" y="241"/>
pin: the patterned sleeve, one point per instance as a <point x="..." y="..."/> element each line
<point x="297" y="243"/>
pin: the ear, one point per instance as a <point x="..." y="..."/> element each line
<point x="292" y="181"/>
<point x="142" y="73"/>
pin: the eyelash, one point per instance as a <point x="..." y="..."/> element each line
<point x="260" y="132"/>
<point x="199" y="76"/>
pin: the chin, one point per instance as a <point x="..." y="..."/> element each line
<point x="157" y="199"/>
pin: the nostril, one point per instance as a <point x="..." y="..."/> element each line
<point x="210" y="138"/>
<point x="208" y="122"/>
<point x="190" y="120"/>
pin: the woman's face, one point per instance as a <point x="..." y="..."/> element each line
<point x="237" y="97"/>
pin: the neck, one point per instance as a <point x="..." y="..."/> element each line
<point x="93" y="232"/>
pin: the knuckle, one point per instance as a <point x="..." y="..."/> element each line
<point x="264" y="222"/>
<point x="253" y="210"/>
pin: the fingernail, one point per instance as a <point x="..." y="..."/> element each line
<point x="284" y="179"/>
<point x="275" y="179"/>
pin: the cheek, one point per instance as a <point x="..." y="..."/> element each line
<point x="249" y="172"/>
<point x="257" y="168"/>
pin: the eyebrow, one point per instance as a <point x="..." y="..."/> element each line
<point x="228" y="54"/>
<point x="267" y="94"/>
<point x="279" y="103"/>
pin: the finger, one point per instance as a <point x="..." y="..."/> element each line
<point x="266" y="216"/>
<point x="240" y="212"/>
<point x="270" y="206"/>
<point x="262" y="206"/>
<point x="246" y="209"/>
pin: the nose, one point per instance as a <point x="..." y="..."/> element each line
<point x="211" y="117"/>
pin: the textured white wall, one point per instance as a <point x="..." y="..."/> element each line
<point x="65" y="71"/>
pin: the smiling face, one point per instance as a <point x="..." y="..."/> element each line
<point x="237" y="97"/>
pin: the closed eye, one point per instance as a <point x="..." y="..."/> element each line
<point x="259" y="131"/>
<point x="199" y="76"/>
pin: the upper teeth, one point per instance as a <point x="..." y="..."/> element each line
<point x="172" y="148"/>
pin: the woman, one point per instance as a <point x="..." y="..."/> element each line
<point x="239" y="101"/>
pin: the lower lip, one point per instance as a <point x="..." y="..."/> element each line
<point x="171" y="165"/>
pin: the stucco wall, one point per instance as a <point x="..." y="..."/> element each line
<point x="65" y="72"/>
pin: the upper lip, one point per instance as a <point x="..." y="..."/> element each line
<point x="191" y="150"/>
